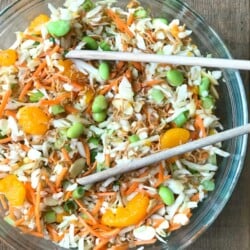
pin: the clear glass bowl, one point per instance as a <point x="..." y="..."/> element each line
<point x="232" y="110"/>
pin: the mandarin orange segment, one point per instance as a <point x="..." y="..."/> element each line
<point x="37" y="22"/>
<point x="70" y="71"/>
<point x="13" y="190"/>
<point x="174" y="137"/>
<point x="8" y="57"/>
<point x="131" y="214"/>
<point x="33" y="120"/>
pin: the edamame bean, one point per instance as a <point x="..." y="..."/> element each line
<point x="160" y="20"/>
<point x="175" y="77"/>
<point x="157" y="95"/>
<point x="208" y="185"/>
<point x="36" y="96"/>
<point x="141" y="13"/>
<point x="78" y="193"/>
<point x="204" y="87"/>
<point x="104" y="46"/>
<point x="104" y="70"/>
<point x="100" y="116"/>
<point x="50" y="217"/>
<point x="58" y="28"/>
<point x="99" y="104"/>
<point x="90" y="43"/>
<point x="94" y="141"/>
<point x="57" y="109"/>
<point x="207" y="102"/>
<point x="88" y="5"/>
<point x="75" y="131"/>
<point x="181" y="119"/>
<point x="133" y="138"/>
<point x="166" y="195"/>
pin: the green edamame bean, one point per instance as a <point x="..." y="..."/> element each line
<point x="100" y="116"/>
<point x="90" y="43"/>
<point x="166" y="195"/>
<point x="57" y="109"/>
<point x="133" y="138"/>
<point x="88" y="5"/>
<point x="208" y="185"/>
<point x="94" y="141"/>
<point x="204" y="87"/>
<point x="50" y="217"/>
<point x="99" y="104"/>
<point x="78" y="193"/>
<point x="141" y="13"/>
<point x="75" y="131"/>
<point x="105" y="46"/>
<point x="104" y="71"/>
<point x="157" y="95"/>
<point x="160" y="20"/>
<point x="175" y="77"/>
<point x="58" y="28"/>
<point x="181" y="119"/>
<point x="207" y="102"/>
<point x="36" y="96"/>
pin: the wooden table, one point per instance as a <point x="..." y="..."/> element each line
<point x="231" y="20"/>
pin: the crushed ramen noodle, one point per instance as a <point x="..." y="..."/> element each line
<point x="61" y="120"/>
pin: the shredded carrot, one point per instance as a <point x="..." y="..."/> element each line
<point x="110" y="234"/>
<point x="103" y="194"/>
<point x="91" y="231"/>
<point x="120" y="24"/>
<point x="137" y="65"/>
<point x="25" y="90"/>
<point x="97" y="206"/>
<point x="3" y="202"/>
<point x="157" y="222"/>
<point x="24" y="147"/>
<point x="67" y="195"/>
<point x="53" y="233"/>
<point x="87" y="153"/>
<point x="130" y="19"/>
<point x="60" y="98"/>
<point x="101" y="245"/>
<point x="173" y="227"/>
<point x="11" y="113"/>
<point x="30" y="193"/>
<point x="107" y="160"/>
<point x="155" y="209"/>
<point x="61" y="176"/>
<point x="34" y="38"/>
<point x="124" y="246"/>
<point x="144" y="242"/>
<point x="37" y="208"/>
<point x="40" y="68"/>
<point x="85" y="211"/>
<point x="70" y="109"/>
<point x="152" y="83"/>
<point x="132" y="188"/>
<point x="49" y="183"/>
<point x="160" y="179"/>
<point x="19" y="222"/>
<point x="91" y="169"/>
<point x="5" y="140"/>
<point x="5" y="101"/>
<point x="195" y="197"/>
<point x="65" y="155"/>
<point x="199" y="124"/>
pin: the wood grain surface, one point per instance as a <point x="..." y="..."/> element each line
<point x="231" y="20"/>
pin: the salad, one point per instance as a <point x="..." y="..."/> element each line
<point x="61" y="120"/>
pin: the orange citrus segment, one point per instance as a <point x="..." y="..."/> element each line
<point x="13" y="189"/>
<point x="37" y="22"/>
<point x="174" y="137"/>
<point x="131" y="214"/>
<point x="33" y="120"/>
<point x="8" y="57"/>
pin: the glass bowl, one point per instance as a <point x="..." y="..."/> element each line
<point x="232" y="110"/>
